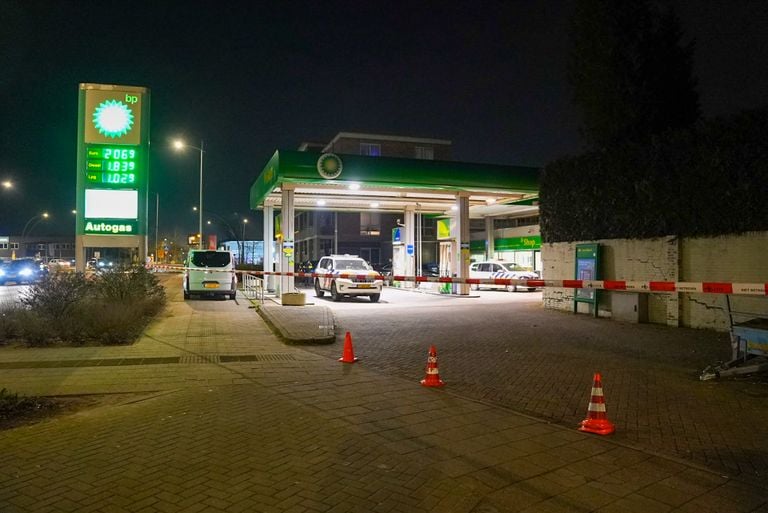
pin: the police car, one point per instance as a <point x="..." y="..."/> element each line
<point x="501" y="270"/>
<point x="347" y="275"/>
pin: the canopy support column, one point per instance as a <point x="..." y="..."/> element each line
<point x="269" y="237"/>
<point x="462" y="239"/>
<point x="490" y="249"/>
<point x="287" y="251"/>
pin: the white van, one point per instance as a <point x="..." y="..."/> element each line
<point x="210" y="272"/>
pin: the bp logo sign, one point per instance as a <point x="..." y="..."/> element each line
<point x="329" y="166"/>
<point x="113" y="118"/>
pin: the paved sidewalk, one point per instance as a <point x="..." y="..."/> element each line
<point x="248" y="423"/>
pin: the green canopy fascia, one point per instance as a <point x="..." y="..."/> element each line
<point x="289" y="166"/>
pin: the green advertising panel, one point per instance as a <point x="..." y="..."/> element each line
<point x="112" y="160"/>
<point x="587" y="269"/>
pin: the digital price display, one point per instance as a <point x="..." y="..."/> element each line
<point x="111" y="165"/>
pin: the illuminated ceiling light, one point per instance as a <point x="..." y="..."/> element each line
<point x="354" y="186"/>
<point x="454" y="208"/>
<point x="490" y="201"/>
<point x="374" y="205"/>
<point x="113" y="118"/>
<point x="321" y="203"/>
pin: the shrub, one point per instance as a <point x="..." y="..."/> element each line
<point x="10" y="327"/>
<point x="13" y="405"/>
<point x="129" y="285"/>
<point x="56" y="295"/>
<point x="111" y="308"/>
<point x="113" y="323"/>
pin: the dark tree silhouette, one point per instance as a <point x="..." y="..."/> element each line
<point x="631" y="75"/>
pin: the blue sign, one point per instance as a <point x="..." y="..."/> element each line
<point x="396" y="234"/>
<point x="409" y="249"/>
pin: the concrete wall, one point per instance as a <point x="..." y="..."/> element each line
<point x="731" y="258"/>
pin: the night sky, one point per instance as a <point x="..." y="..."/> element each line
<point x="490" y="76"/>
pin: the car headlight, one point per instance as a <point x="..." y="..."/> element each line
<point x="26" y="272"/>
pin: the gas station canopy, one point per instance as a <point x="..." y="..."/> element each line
<point x="385" y="184"/>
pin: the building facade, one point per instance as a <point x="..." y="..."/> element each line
<point x="38" y="247"/>
<point x="366" y="234"/>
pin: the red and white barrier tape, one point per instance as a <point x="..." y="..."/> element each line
<point x="749" y="289"/>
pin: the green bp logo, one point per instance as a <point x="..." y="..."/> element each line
<point x="329" y="166"/>
<point x="113" y="118"/>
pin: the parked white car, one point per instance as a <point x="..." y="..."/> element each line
<point x="59" y="264"/>
<point x="501" y="270"/>
<point x="330" y="271"/>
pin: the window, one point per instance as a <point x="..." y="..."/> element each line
<point x="210" y="258"/>
<point x="3" y="245"/>
<point x="425" y="153"/>
<point x="41" y="246"/>
<point x="370" y="149"/>
<point x="370" y="224"/>
<point x="14" y="245"/>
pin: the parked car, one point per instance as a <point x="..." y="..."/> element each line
<point x="329" y="270"/>
<point x="430" y="269"/>
<point x="22" y="270"/>
<point x="501" y="270"/>
<point x="59" y="264"/>
<point x="99" y="265"/>
<point x="210" y="272"/>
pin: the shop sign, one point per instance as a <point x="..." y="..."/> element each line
<point x="111" y="227"/>
<point x="443" y="229"/>
<point x="529" y="242"/>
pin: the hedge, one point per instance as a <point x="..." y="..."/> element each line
<point x="709" y="180"/>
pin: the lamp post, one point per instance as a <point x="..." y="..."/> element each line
<point x="180" y="145"/>
<point x="39" y="218"/>
<point x="157" y="221"/>
<point x="242" y="253"/>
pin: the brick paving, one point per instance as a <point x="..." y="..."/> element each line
<point x="295" y="431"/>
<point x="541" y="363"/>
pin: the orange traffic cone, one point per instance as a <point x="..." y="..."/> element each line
<point x="432" y="378"/>
<point x="349" y="354"/>
<point x="597" y="422"/>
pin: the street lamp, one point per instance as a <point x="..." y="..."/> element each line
<point x="39" y="218"/>
<point x="7" y="184"/>
<point x="179" y="145"/>
<point x="242" y="253"/>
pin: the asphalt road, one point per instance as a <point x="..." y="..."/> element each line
<point x="9" y="294"/>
